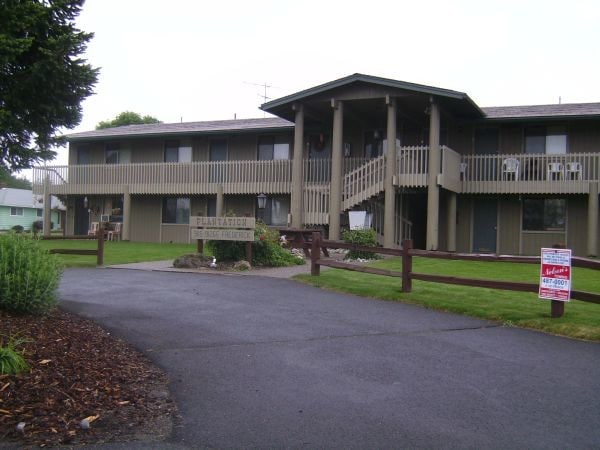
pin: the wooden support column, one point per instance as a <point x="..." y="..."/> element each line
<point x="47" y="213"/>
<point x="389" y="217"/>
<point x="592" y="238"/>
<point x="433" y="190"/>
<point x="220" y="201"/>
<point x="126" y="232"/>
<point x="335" y="192"/>
<point x="451" y="222"/>
<point x="297" y="163"/>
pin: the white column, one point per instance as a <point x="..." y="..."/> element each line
<point x="126" y="232"/>
<point x="592" y="239"/>
<point x="433" y="190"/>
<point x="389" y="217"/>
<point x="297" y="181"/>
<point x="335" y="192"/>
<point x="451" y="222"/>
<point x="220" y="201"/>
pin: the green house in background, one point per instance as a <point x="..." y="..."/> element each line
<point x="21" y="207"/>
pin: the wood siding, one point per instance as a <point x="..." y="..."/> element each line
<point x="577" y="229"/>
<point x="175" y="233"/>
<point x="146" y="218"/>
<point x="463" y="227"/>
<point x="509" y="225"/>
<point x="533" y="241"/>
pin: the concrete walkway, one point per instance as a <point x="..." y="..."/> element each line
<point x="261" y="362"/>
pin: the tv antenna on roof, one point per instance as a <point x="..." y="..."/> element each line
<point x="264" y="95"/>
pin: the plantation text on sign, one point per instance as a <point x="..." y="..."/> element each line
<point x="222" y="222"/>
<point x="555" y="274"/>
<point x="222" y="235"/>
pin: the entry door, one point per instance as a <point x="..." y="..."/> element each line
<point x="82" y="217"/>
<point x="485" y="225"/>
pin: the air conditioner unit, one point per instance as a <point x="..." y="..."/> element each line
<point x="104" y="218"/>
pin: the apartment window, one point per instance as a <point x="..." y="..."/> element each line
<point x="176" y="210"/>
<point x="16" y="211"/>
<point x="273" y="147"/>
<point x="547" y="214"/>
<point x="114" y="154"/>
<point x="374" y="143"/>
<point x="84" y="155"/>
<point x="211" y="207"/>
<point x="542" y="139"/>
<point x="486" y="141"/>
<point x="174" y="152"/>
<point x="40" y="212"/>
<point x="276" y="211"/>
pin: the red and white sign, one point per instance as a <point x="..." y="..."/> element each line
<point x="555" y="274"/>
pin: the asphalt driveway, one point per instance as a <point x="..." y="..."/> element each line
<point x="271" y="363"/>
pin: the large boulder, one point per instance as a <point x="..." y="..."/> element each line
<point x="192" y="261"/>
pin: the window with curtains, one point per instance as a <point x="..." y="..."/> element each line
<point x="176" y="210"/>
<point x="544" y="214"/>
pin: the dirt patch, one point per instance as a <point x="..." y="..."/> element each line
<point x="77" y="371"/>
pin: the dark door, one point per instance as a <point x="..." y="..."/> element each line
<point x="82" y="217"/>
<point x="485" y="223"/>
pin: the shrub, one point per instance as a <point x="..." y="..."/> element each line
<point x="38" y="226"/>
<point x="266" y="249"/>
<point x="18" y="228"/>
<point x="12" y="361"/>
<point x="366" y="237"/>
<point x="29" y="275"/>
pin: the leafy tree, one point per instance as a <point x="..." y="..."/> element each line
<point x="126" y="118"/>
<point x="11" y="181"/>
<point x="43" y="80"/>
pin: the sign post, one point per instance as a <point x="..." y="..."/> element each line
<point x="555" y="278"/>
<point x="224" y="229"/>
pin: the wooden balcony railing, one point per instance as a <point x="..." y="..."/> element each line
<point x="529" y="173"/>
<point x="237" y="177"/>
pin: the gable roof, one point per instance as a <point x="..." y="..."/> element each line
<point x="387" y="82"/>
<point x="566" y="110"/>
<point x="24" y="198"/>
<point x="184" y="128"/>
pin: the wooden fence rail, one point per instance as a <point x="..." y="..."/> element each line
<point x="407" y="274"/>
<point x="98" y="252"/>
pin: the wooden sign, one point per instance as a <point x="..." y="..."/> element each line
<point x="555" y="274"/>
<point x="222" y="235"/>
<point x="222" y="222"/>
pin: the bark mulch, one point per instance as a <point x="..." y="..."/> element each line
<point x="77" y="371"/>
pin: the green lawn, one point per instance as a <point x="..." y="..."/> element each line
<point x="581" y="320"/>
<point x="119" y="252"/>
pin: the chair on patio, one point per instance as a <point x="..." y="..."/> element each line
<point x="94" y="227"/>
<point x="115" y="233"/>
<point x="574" y="170"/>
<point x="510" y="169"/>
<point x="555" y="171"/>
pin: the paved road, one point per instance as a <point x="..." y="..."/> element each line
<point x="270" y="363"/>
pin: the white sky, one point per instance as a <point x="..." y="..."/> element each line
<point x="195" y="59"/>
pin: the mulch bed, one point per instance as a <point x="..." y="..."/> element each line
<point x="77" y="371"/>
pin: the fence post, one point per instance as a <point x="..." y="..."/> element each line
<point x="200" y="244"/>
<point x="557" y="308"/>
<point x="100" y="254"/>
<point x="406" y="265"/>
<point x="249" y="252"/>
<point x="315" y="254"/>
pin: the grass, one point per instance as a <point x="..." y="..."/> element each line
<point x="118" y="252"/>
<point x="581" y="320"/>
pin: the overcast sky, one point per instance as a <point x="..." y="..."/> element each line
<point x="197" y="60"/>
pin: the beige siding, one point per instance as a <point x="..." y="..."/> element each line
<point x="532" y="242"/>
<point x="443" y="222"/>
<point x="198" y="206"/>
<point x="577" y="224"/>
<point x="511" y="139"/>
<point x="584" y="137"/>
<point x="460" y="139"/>
<point x="463" y="227"/>
<point x="147" y="151"/>
<point x="145" y="218"/>
<point x="175" y="233"/>
<point x="242" y="147"/>
<point x="509" y="225"/>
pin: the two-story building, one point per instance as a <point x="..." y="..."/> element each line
<point x="428" y="163"/>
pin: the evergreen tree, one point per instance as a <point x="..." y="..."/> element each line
<point x="43" y="79"/>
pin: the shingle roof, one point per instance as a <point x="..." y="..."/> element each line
<point x="206" y="127"/>
<point x="543" y="111"/>
<point x="24" y="198"/>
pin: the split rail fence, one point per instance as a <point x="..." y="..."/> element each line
<point x="408" y="275"/>
<point x="98" y="252"/>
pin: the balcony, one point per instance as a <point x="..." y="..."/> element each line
<point x="529" y="173"/>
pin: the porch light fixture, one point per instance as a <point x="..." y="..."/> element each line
<point x="85" y="202"/>
<point x="262" y="201"/>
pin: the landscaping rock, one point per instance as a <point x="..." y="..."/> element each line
<point x="242" y="266"/>
<point x="192" y="261"/>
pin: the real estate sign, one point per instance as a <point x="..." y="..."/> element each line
<point x="555" y="274"/>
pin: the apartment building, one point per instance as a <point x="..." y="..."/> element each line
<point x="460" y="177"/>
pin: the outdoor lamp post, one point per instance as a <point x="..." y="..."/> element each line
<point x="262" y="202"/>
